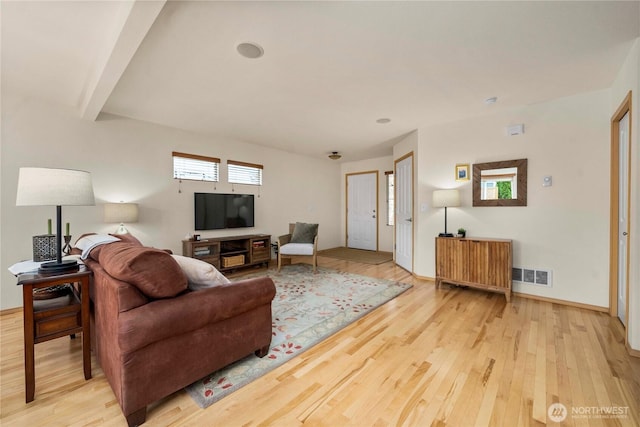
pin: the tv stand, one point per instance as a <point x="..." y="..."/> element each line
<point x="232" y="252"/>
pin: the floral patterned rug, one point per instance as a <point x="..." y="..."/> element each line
<point x="307" y="309"/>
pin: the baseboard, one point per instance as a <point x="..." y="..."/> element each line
<point x="563" y="302"/>
<point x="633" y="352"/>
<point x="10" y="310"/>
<point x="427" y="278"/>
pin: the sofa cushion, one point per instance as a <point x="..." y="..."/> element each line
<point x="153" y="271"/>
<point x="125" y="295"/>
<point x="200" y="274"/>
<point x="304" y="233"/>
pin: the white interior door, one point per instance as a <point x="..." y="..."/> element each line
<point x="623" y="220"/>
<point x="362" y="211"/>
<point x="404" y="213"/>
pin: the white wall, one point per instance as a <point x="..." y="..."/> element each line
<point x="565" y="227"/>
<point x="131" y="161"/>
<point x="380" y="165"/>
<point x="628" y="80"/>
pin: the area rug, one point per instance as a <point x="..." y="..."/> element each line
<point x="307" y="309"/>
<point x="358" y="255"/>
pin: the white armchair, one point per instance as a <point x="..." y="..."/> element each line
<point x="302" y="240"/>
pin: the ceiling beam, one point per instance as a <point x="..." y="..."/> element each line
<point x="134" y="22"/>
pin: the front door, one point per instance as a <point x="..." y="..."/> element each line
<point x="404" y="212"/>
<point x="362" y="211"/>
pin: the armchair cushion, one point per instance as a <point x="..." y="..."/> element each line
<point x="304" y="233"/>
<point x="297" y="249"/>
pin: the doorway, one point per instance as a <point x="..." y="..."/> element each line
<point x="403" y="246"/>
<point x="620" y="211"/>
<point x="362" y="210"/>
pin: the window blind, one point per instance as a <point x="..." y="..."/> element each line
<point x="194" y="167"/>
<point x="244" y="173"/>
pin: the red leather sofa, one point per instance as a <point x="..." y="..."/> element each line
<point x="152" y="336"/>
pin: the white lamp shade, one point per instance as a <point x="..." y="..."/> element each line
<point x="446" y="198"/>
<point x="54" y="187"/>
<point x="121" y="212"/>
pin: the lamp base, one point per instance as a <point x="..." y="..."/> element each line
<point x="445" y="235"/>
<point x="57" y="268"/>
<point x="121" y="230"/>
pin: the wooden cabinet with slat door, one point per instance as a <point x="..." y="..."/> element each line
<point x="479" y="263"/>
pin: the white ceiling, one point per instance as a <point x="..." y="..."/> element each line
<point x="330" y="69"/>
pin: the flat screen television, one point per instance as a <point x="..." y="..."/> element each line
<point x="214" y="211"/>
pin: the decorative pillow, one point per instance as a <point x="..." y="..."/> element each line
<point x="304" y="233"/>
<point x="90" y="241"/>
<point x="153" y="271"/>
<point x="200" y="274"/>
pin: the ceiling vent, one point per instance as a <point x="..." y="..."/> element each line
<point x="250" y="50"/>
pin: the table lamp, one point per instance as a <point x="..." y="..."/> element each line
<point x="446" y="199"/>
<point x="55" y="187"/>
<point x="121" y="212"/>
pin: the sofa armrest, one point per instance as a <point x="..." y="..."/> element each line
<point x="190" y="311"/>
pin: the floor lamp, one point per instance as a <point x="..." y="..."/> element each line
<point x="55" y="187"/>
<point x="446" y="199"/>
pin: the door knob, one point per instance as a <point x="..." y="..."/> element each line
<point x="624" y="233"/>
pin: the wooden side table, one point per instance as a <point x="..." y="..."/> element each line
<point x="45" y="320"/>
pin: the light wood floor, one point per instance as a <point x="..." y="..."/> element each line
<point x="447" y="357"/>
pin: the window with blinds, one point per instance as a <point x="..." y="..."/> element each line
<point x="196" y="168"/>
<point x="244" y="173"/>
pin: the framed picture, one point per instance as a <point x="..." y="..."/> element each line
<point x="462" y="172"/>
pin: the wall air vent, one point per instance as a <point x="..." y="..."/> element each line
<point x="516" y="274"/>
<point x="531" y="276"/>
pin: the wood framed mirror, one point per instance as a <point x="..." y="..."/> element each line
<point x="500" y="183"/>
